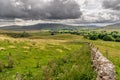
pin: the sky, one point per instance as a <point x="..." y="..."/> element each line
<point x="59" y="11"/>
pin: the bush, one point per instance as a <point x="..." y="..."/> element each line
<point x="24" y="34"/>
<point x="18" y="35"/>
<point x="117" y="39"/>
<point x="93" y="37"/>
<point x="108" y="38"/>
<point x="101" y="35"/>
<point x="114" y="32"/>
<point x="115" y="35"/>
<point x="52" y="33"/>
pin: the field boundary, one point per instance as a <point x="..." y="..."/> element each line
<point x="103" y="67"/>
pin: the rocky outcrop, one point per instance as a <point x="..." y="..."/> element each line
<point x="103" y="67"/>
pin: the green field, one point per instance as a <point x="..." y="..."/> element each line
<point x="59" y="56"/>
<point x="42" y="56"/>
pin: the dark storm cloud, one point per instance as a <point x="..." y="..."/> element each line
<point x="111" y="4"/>
<point x="38" y="9"/>
<point x="7" y="9"/>
<point x="61" y="9"/>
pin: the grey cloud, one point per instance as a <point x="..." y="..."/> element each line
<point x="7" y="9"/>
<point x="111" y="4"/>
<point x="70" y="9"/>
<point x="38" y="9"/>
<point x="112" y="7"/>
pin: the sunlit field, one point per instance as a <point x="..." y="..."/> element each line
<point x="43" y="56"/>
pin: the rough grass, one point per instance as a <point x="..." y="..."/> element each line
<point x="31" y="56"/>
<point x="113" y="49"/>
<point x="44" y="48"/>
<point x="74" y="66"/>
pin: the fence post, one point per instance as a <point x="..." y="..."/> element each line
<point x="107" y="54"/>
<point x="97" y="49"/>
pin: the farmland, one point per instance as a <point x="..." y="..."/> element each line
<point x="42" y="56"/>
<point x="59" y="39"/>
<point x="58" y="55"/>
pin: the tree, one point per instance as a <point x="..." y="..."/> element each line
<point x="101" y="35"/>
<point x="52" y="33"/>
<point x="117" y="39"/>
<point x="93" y="37"/>
<point x="24" y="34"/>
<point x="114" y="32"/>
<point x="108" y="38"/>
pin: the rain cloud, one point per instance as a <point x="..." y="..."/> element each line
<point x="112" y="4"/>
<point x="40" y="9"/>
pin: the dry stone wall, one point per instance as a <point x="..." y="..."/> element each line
<point x="103" y="67"/>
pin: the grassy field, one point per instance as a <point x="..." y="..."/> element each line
<point x="45" y="57"/>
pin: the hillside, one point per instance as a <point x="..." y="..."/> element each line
<point x="113" y="26"/>
<point x="53" y="26"/>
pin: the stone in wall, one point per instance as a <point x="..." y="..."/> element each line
<point x="103" y="67"/>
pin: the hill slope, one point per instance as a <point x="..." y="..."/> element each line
<point x="113" y="26"/>
<point x="44" y="26"/>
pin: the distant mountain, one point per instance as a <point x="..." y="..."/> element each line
<point x="41" y="26"/>
<point x="113" y="26"/>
